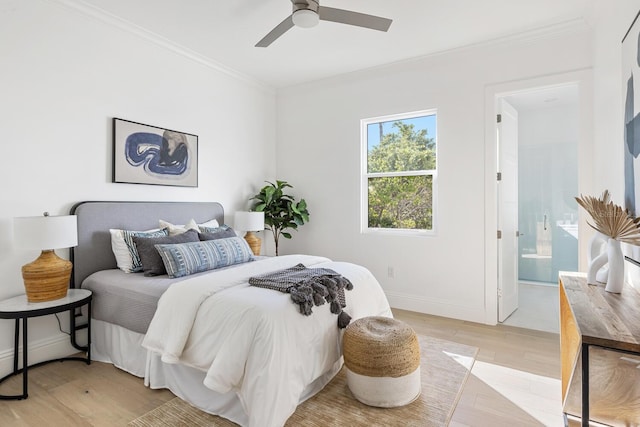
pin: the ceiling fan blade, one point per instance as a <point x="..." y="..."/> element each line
<point x="354" y="18"/>
<point x="279" y="30"/>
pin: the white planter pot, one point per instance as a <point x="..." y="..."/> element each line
<point x="615" y="281"/>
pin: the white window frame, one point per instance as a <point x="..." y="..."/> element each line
<point x="365" y="175"/>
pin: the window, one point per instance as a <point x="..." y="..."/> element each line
<point x="399" y="172"/>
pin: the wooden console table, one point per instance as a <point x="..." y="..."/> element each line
<point x="594" y="324"/>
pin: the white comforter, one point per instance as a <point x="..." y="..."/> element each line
<point x="254" y="341"/>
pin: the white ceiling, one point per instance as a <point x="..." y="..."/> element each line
<point x="225" y="32"/>
<point x="548" y="97"/>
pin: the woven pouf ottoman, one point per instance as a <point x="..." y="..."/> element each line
<point x="382" y="359"/>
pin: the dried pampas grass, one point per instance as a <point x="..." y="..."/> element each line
<point x="610" y="219"/>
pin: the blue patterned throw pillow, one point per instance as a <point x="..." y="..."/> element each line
<point x="221" y="232"/>
<point x="224" y="228"/>
<point x="133" y="250"/>
<point x="194" y="257"/>
<point x="124" y="248"/>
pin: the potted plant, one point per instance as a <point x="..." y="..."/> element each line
<point x="281" y="211"/>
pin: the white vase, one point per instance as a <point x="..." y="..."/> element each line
<point x="615" y="281"/>
<point x="597" y="258"/>
<point x="596" y="243"/>
<point x="595" y="268"/>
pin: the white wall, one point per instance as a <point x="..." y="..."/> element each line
<point x="319" y="153"/>
<point x="63" y="76"/>
<point x="612" y="21"/>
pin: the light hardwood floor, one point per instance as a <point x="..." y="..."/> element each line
<point x="515" y="382"/>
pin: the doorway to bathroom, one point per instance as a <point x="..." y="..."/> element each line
<point x="547" y="214"/>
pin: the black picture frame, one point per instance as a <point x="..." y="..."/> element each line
<point x="153" y="155"/>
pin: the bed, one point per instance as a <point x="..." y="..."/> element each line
<point x="243" y="352"/>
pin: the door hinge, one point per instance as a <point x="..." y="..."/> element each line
<point x="499" y="234"/>
<point x="499" y="176"/>
<point x="499" y="118"/>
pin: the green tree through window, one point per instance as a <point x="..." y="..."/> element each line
<point x="401" y="164"/>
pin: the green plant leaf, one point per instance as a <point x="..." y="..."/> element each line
<point x="269" y="193"/>
<point x="281" y="211"/>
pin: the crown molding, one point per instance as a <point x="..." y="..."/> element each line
<point x="556" y="30"/>
<point x="109" y="18"/>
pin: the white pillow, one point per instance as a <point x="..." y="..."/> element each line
<point x="127" y="257"/>
<point x="179" y="229"/>
<point x="212" y="223"/>
<point x="191" y="225"/>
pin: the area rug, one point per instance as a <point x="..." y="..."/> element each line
<point x="444" y="369"/>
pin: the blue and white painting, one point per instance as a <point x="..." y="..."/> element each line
<point x="631" y="93"/>
<point x="631" y="99"/>
<point x="146" y="154"/>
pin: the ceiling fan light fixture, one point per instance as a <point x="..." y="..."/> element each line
<point x="305" y="18"/>
<point x="308" y="13"/>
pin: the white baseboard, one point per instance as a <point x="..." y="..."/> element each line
<point x="46" y="349"/>
<point x="435" y="307"/>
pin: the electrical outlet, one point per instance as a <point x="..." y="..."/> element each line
<point x="390" y="272"/>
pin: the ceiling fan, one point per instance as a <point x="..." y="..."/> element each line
<point x="307" y="13"/>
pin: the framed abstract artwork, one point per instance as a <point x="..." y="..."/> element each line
<point x="631" y="128"/>
<point x="144" y="154"/>
<point x="631" y="110"/>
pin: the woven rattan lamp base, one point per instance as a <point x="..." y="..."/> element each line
<point x="46" y="278"/>
<point x="255" y="243"/>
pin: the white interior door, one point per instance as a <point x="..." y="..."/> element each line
<point x="507" y="135"/>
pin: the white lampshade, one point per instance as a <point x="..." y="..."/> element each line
<point x="45" y="232"/>
<point x="305" y="18"/>
<point x="249" y="221"/>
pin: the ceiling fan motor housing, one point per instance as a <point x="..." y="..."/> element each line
<point x="311" y="5"/>
<point x="307" y="14"/>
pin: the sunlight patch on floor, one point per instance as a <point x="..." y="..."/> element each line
<point x="465" y="361"/>
<point x="536" y="395"/>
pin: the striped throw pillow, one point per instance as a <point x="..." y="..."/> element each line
<point x="124" y="248"/>
<point x="194" y="257"/>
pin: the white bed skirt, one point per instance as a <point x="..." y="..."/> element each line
<point x="121" y="347"/>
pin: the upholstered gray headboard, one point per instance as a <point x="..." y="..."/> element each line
<point x="94" y="253"/>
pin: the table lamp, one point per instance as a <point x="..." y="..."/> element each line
<point x="250" y="222"/>
<point x="48" y="277"/>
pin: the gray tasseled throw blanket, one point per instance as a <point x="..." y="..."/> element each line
<point x="309" y="287"/>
